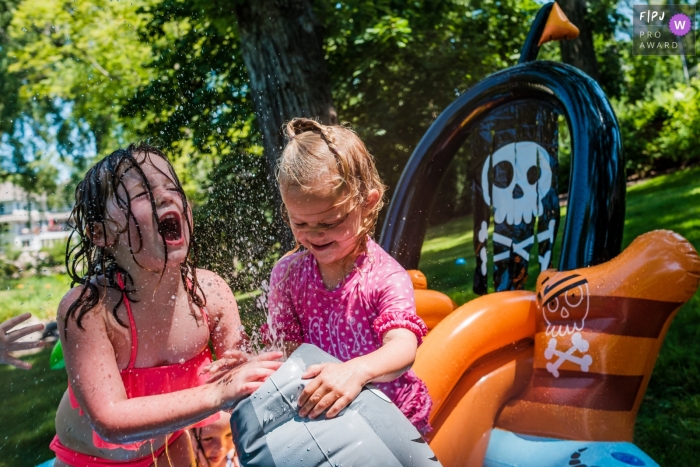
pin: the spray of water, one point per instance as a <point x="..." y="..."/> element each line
<point x="238" y="230"/>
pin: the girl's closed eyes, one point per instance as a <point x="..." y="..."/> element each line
<point x="321" y="225"/>
<point x="328" y="224"/>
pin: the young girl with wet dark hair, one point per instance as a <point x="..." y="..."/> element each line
<point x="136" y="329"/>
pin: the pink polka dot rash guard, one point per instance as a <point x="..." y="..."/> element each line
<point x="351" y="320"/>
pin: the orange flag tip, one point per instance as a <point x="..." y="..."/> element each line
<point x="558" y="27"/>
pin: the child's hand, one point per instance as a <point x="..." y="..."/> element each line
<point x="233" y="358"/>
<point x="245" y="379"/>
<point x="8" y="344"/>
<point x="334" y="387"/>
<point x="228" y="361"/>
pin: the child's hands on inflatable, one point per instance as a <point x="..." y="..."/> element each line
<point x="226" y="362"/>
<point x="246" y="378"/>
<point x="232" y="359"/>
<point x="8" y="340"/>
<point x="334" y="387"/>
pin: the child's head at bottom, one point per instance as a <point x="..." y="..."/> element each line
<point x="214" y="442"/>
<point x="331" y="189"/>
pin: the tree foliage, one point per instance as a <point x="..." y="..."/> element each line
<point x="9" y="82"/>
<point x="70" y="64"/>
<point x="201" y="109"/>
<point x="86" y="77"/>
<point x="397" y="64"/>
<point x="85" y="53"/>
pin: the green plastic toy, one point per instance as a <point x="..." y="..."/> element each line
<point x="56" y="361"/>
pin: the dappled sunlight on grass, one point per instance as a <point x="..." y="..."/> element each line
<point x="666" y="202"/>
<point x="445" y="243"/>
<point x="668" y="425"/>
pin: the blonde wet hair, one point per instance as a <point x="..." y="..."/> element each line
<point x="317" y="154"/>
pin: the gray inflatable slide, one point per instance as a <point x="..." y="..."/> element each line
<point x="371" y="431"/>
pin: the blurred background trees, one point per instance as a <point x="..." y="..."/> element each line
<point x="211" y="82"/>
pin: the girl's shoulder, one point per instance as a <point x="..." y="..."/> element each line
<point x="71" y="297"/>
<point x="216" y="290"/>
<point x="81" y="303"/>
<point x="289" y="264"/>
<point x="382" y="262"/>
<point x="210" y="281"/>
<point x="83" y="293"/>
<point x="218" y="297"/>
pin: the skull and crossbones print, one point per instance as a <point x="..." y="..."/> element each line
<point x="565" y="303"/>
<point x="514" y="180"/>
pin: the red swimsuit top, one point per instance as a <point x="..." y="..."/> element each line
<point x="139" y="382"/>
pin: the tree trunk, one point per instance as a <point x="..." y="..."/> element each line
<point x="281" y="43"/>
<point x="580" y="51"/>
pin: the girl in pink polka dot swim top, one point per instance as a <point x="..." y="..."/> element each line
<point x="339" y="290"/>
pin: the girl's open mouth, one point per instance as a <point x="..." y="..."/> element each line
<point x="170" y="227"/>
<point x="321" y="247"/>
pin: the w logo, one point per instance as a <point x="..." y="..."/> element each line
<point x="679" y="25"/>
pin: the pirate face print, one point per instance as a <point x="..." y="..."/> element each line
<point x="564" y="303"/>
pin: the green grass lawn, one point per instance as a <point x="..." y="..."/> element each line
<point x="668" y="425"/>
<point x="38" y="294"/>
<point x="29" y="402"/>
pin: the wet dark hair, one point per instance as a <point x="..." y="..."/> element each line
<point x="91" y="265"/>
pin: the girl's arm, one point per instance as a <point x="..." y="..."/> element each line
<point x="224" y="320"/>
<point x="283" y="327"/>
<point x="96" y="382"/>
<point x="225" y="324"/>
<point x="335" y="385"/>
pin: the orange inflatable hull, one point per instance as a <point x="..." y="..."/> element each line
<point x="570" y="361"/>
<point x="476" y="359"/>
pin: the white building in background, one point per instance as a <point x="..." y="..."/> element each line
<point x="29" y="226"/>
